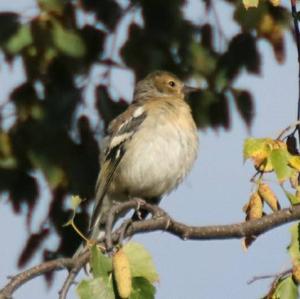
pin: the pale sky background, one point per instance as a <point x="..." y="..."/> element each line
<point x="214" y="193"/>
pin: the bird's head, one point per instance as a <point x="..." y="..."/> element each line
<point x="160" y="84"/>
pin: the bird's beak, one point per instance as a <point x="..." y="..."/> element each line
<point x="189" y="89"/>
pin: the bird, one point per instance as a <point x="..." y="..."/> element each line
<point x="149" y="148"/>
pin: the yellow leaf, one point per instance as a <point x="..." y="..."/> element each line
<point x="268" y="196"/>
<point x="273" y="31"/>
<point x="294" y="178"/>
<point x="255" y="207"/>
<point x="250" y="3"/>
<point x="294" y="161"/>
<point x="254" y="210"/>
<point x="259" y="151"/>
<point x="296" y="273"/>
<point x="266" y="24"/>
<point x="75" y="201"/>
<point x="278" y="144"/>
<point x="297" y="194"/>
<point x="264" y="165"/>
<point x="256" y="147"/>
<point x="7" y="159"/>
<point x="275" y="2"/>
<point x="269" y="28"/>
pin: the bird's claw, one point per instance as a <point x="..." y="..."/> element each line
<point x="140" y="202"/>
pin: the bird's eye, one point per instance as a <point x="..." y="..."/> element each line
<point x="172" y="83"/>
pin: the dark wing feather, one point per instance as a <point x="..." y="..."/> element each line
<point x="123" y="126"/>
<point x="103" y="184"/>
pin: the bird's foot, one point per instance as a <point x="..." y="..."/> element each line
<point x="138" y="212"/>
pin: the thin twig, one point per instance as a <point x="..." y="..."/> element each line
<point x="21" y="278"/>
<point x="69" y="281"/>
<point x="268" y="276"/>
<point x="288" y="128"/>
<point x="221" y="33"/>
<point x="297" y="37"/>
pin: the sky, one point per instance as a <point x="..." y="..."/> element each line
<point x="214" y="193"/>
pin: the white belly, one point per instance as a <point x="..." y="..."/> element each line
<point x="157" y="160"/>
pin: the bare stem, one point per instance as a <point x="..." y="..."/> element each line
<point x="297" y="37"/>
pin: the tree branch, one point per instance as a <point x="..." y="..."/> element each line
<point x="71" y="276"/>
<point x="163" y="222"/>
<point x="160" y="221"/>
<point x="21" y="278"/>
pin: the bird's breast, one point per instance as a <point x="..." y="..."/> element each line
<point x="158" y="157"/>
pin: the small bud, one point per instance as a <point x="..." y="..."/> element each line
<point x="296" y="273"/>
<point x="255" y="207"/>
<point x="268" y="196"/>
<point x="122" y="273"/>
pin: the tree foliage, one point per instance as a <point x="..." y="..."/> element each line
<point x="45" y="128"/>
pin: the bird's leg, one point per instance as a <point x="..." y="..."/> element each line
<point x="139" y="213"/>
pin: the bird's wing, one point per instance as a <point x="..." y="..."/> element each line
<point x="120" y="132"/>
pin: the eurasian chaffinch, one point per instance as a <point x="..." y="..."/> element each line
<point x="149" y="148"/>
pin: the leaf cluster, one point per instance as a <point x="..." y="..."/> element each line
<point x="281" y="158"/>
<point x="108" y="279"/>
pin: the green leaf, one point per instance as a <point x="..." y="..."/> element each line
<point x="249" y="19"/>
<point x="279" y="159"/>
<point x="294" y="246"/>
<point x="7" y="160"/>
<point x="256" y="146"/>
<point x="286" y="289"/>
<point x="75" y="201"/>
<point x="203" y="60"/>
<point x="142" y="289"/>
<point x="221" y="80"/>
<point x="101" y="265"/>
<point x="52" y="6"/>
<point x="96" y="288"/>
<point x="244" y="104"/>
<point x="141" y="263"/>
<point x="67" y="41"/>
<point x="294" y="200"/>
<point x="8" y="163"/>
<point x="54" y="174"/>
<point x="20" y="40"/>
